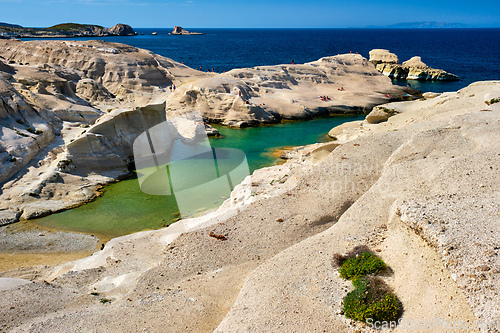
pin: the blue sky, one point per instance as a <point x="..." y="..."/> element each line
<point x="247" y="14"/>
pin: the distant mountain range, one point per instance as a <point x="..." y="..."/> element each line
<point x="422" y="25"/>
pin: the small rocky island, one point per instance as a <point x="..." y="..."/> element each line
<point x="65" y="30"/>
<point x="387" y="63"/>
<point x="181" y="31"/>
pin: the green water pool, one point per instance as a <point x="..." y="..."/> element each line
<point x="123" y="208"/>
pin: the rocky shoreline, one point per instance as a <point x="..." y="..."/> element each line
<point x="71" y="124"/>
<point x="420" y="189"/>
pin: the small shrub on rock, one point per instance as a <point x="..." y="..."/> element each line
<point x="390" y="112"/>
<point x="371" y="297"/>
<point x="369" y="301"/>
<point x="366" y="263"/>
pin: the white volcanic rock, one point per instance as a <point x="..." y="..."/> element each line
<point x="64" y="87"/>
<point x="35" y="108"/>
<point x="413" y="69"/>
<point x="249" y="96"/>
<point x="378" y="56"/>
<point x="415" y="62"/>
<point x="441" y="182"/>
<point x="8" y="283"/>
<point x="334" y="132"/>
<point x="5" y="68"/>
<point x="109" y="143"/>
<point x="430" y="95"/>
<point x="8" y="216"/>
<point x="415" y="73"/>
<point x="24" y="131"/>
<point x="420" y="190"/>
<point x="50" y="93"/>
<point x="380" y="113"/>
<point x="117" y="67"/>
<point x="96" y="71"/>
<point x="91" y="90"/>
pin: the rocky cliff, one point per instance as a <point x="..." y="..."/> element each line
<point x="109" y="143"/>
<point x="414" y="69"/>
<point x="99" y="69"/>
<point x="51" y="93"/>
<point x="122" y="30"/>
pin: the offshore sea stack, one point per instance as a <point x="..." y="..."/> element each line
<point x="414" y="69"/>
<point x="122" y="30"/>
<point x="181" y="31"/>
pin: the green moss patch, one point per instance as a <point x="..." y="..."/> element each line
<point x="371" y="298"/>
<point x="361" y="265"/>
<point x="388" y="111"/>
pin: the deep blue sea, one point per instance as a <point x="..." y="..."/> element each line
<point x="472" y="54"/>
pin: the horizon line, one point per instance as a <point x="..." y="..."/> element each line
<point x="367" y="28"/>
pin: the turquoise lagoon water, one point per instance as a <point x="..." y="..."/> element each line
<point x="124" y="208"/>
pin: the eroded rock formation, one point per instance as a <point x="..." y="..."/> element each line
<point x="420" y="188"/>
<point x="24" y="131"/>
<point x="54" y="92"/>
<point x="122" y="30"/>
<point x="340" y="84"/>
<point x="414" y="69"/>
<point x="109" y="143"/>
<point x="379" y="56"/>
<point x="51" y="93"/>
